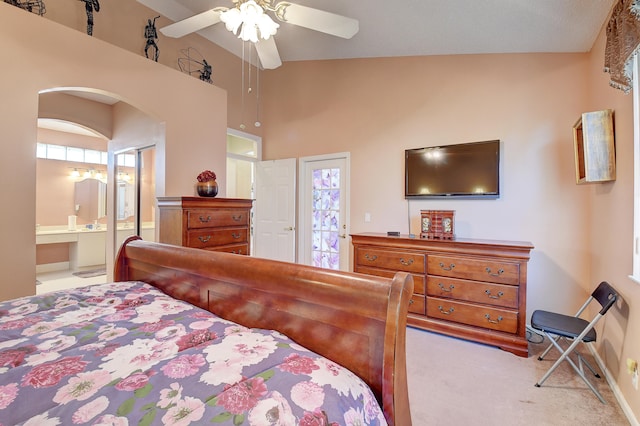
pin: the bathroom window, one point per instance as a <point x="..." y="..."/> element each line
<point x="92" y="156"/>
<point x="71" y="153"/>
<point x="75" y="154"/>
<point x="56" y="152"/>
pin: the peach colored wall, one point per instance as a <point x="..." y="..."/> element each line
<point x="41" y="59"/>
<point x="377" y="108"/>
<point x="52" y="253"/>
<point x="610" y="247"/>
<point x="55" y="193"/>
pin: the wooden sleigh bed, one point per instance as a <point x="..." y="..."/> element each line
<point x="355" y="321"/>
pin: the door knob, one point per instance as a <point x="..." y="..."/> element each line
<point x="289" y="228"/>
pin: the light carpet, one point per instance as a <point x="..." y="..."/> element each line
<point x="457" y="382"/>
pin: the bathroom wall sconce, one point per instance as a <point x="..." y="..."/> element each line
<point x="88" y="174"/>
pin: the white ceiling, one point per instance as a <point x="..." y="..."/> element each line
<point x="424" y="27"/>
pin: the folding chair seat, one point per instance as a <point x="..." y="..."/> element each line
<point x="558" y="327"/>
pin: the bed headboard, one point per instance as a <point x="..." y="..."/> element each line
<point x="355" y="320"/>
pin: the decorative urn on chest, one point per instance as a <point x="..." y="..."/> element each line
<point x="207" y="185"/>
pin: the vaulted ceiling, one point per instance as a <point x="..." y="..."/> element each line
<point x="423" y="27"/>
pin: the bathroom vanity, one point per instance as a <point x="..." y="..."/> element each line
<point x="86" y="247"/>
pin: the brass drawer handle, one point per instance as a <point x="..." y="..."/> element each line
<point x="500" y="272"/>
<point x="235" y="236"/>
<point x="406" y="262"/>
<point x="441" y="309"/>
<point x="450" y="268"/>
<point x="237" y="218"/>
<point x="370" y="257"/>
<point x="488" y="293"/>
<point x="488" y="317"/>
<point x="203" y="220"/>
<point x="204" y="239"/>
<point x="410" y="301"/>
<point x="451" y="287"/>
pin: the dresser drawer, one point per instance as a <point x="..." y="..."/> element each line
<point x="216" y="237"/>
<point x="235" y="249"/>
<point x="473" y="291"/>
<point x="476" y="269"/>
<point x="471" y="314"/>
<point x="418" y="280"/>
<point x="388" y="259"/>
<point x="197" y="219"/>
<point x="417" y="304"/>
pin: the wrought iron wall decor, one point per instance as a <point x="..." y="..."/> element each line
<point x="33" y="6"/>
<point x="90" y="6"/>
<point x="151" y="34"/>
<point x="193" y="62"/>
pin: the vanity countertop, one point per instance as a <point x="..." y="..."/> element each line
<point x="61" y="234"/>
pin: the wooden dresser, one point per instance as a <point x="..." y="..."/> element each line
<point x="219" y="224"/>
<point x="472" y="289"/>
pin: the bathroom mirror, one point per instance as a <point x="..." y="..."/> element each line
<point x="91" y="200"/>
<point x="90" y="197"/>
<point x="125" y="207"/>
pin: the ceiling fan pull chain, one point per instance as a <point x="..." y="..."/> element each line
<point x="257" y="123"/>
<point x="242" y="126"/>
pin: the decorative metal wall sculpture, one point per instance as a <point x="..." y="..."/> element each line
<point x="90" y="6"/>
<point x="193" y="62"/>
<point x="33" y="6"/>
<point x="151" y="34"/>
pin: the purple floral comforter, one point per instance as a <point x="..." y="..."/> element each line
<point x="127" y="354"/>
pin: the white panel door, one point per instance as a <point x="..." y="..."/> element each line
<point x="275" y="210"/>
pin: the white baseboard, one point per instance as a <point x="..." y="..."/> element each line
<point x="52" y="267"/>
<point x="633" y="421"/>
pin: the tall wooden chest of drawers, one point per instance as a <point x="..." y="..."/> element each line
<point x="220" y="224"/>
<point x="472" y="289"/>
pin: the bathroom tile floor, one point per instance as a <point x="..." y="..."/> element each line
<point x="60" y="280"/>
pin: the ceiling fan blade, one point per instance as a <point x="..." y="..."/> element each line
<point x="169" y="8"/>
<point x="194" y="23"/>
<point x="268" y="53"/>
<point x="318" y="20"/>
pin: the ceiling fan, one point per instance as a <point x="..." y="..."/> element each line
<point x="251" y="21"/>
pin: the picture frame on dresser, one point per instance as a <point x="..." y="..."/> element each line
<point x="467" y="288"/>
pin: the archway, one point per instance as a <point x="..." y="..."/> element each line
<point x="94" y="125"/>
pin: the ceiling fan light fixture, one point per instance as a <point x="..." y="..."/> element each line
<point x="248" y="21"/>
<point x="232" y="19"/>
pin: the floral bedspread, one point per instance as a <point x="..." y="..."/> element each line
<point x="127" y="354"/>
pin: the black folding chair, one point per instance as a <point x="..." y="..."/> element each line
<point x="558" y="327"/>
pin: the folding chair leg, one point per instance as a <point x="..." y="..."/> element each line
<point x="565" y="356"/>
<point x="581" y="361"/>
<point x="546" y="351"/>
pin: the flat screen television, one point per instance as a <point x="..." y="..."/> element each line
<point x="467" y="170"/>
